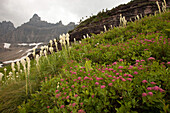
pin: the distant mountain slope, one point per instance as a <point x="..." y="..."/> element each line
<point x="6" y="27"/>
<point x="95" y="23"/>
<point x="36" y="30"/>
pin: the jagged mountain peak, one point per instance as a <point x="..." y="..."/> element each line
<point x="35" y="18"/>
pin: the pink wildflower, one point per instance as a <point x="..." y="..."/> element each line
<point x="149" y="88"/>
<point x="129" y="79"/>
<point x="109" y="76"/>
<point x="86" y="77"/>
<point x="125" y="75"/>
<point x="130" y="75"/>
<point x="117" y="73"/>
<point x="123" y="79"/>
<point x="74" y="104"/>
<point x="144" y="81"/>
<point x="57" y="95"/>
<point x="151" y="58"/>
<point x="121" y="60"/>
<point x="103" y="86"/>
<point x="120" y="67"/>
<point x="135" y="72"/>
<point x="62" y="79"/>
<point x="114" y="63"/>
<point x="168" y="62"/>
<point x="150" y="93"/>
<point x="113" y="80"/>
<point x="83" y="86"/>
<point x="156" y="88"/>
<point x="79" y="78"/>
<point x="67" y="97"/>
<point x="137" y="61"/>
<point x="81" y="111"/>
<point x="110" y="84"/>
<point x="142" y="60"/>
<point x="72" y="86"/>
<point x="56" y="91"/>
<point x="153" y="83"/>
<point x="75" y="80"/>
<point x="92" y="96"/>
<point x="81" y="103"/>
<point x="62" y="106"/>
<point x="75" y="95"/>
<point x="48" y="107"/>
<point x="144" y="94"/>
<point x="96" y="83"/>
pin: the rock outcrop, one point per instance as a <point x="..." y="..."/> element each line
<point x="36" y="30"/>
<point x="6" y="27"/>
<point x="130" y="11"/>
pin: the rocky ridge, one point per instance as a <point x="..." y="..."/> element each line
<point x="35" y="30"/>
<point x="111" y="17"/>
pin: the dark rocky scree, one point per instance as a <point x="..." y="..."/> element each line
<point x="36" y="30"/>
<point x="130" y="10"/>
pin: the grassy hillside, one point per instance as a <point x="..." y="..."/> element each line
<point x="124" y="70"/>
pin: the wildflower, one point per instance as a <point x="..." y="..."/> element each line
<point x="168" y="62"/>
<point x="72" y="86"/>
<point x="57" y="95"/>
<point x="1" y="75"/>
<point x="96" y="83"/>
<point x="121" y="60"/>
<point x="67" y="97"/>
<point x="144" y="81"/>
<point x="103" y="86"/>
<point x="125" y="75"/>
<point x="74" y="104"/>
<point x="114" y="63"/>
<point x="113" y="80"/>
<point x="150" y="93"/>
<point x="75" y="95"/>
<point x="81" y="111"/>
<point x="92" y="96"/>
<point x="153" y="83"/>
<point x="117" y="73"/>
<point x="56" y="91"/>
<point x="69" y="89"/>
<point x="144" y="94"/>
<point x="130" y="75"/>
<point x="83" y="86"/>
<point x="142" y="60"/>
<point x="75" y="80"/>
<point x="48" y="107"/>
<point x="129" y="79"/>
<point x="135" y="72"/>
<point x="151" y="58"/>
<point x="156" y="88"/>
<point x="62" y="106"/>
<point x="120" y="67"/>
<point x="137" y="61"/>
<point x="149" y="88"/>
<point x="109" y="76"/>
<point x="81" y="103"/>
<point x="79" y="78"/>
<point x="123" y="79"/>
<point x="62" y="79"/>
<point x="110" y="84"/>
<point x="86" y="77"/>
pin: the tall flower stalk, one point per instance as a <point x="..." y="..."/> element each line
<point x="23" y="62"/>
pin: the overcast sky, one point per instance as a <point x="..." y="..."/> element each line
<point x="52" y="11"/>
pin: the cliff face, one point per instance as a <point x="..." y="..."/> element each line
<point x="36" y="31"/>
<point x="6" y="27"/>
<point x="130" y="11"/>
